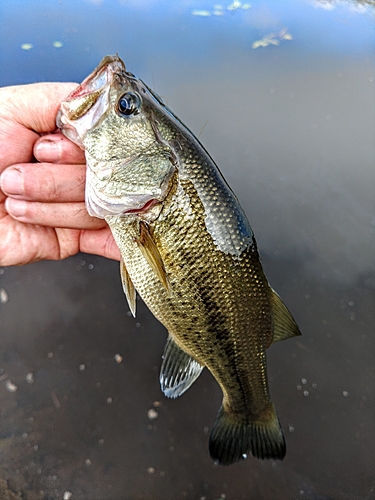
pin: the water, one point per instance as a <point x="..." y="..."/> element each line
<point x="292" y="128"/>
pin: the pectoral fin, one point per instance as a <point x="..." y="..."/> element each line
<point x="128" y="287"/>
<point x="178" y="371"/>
<point x="152" y="255"/>
<point x="284" y="324"/>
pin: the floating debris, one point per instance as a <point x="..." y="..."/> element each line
<point x="118" y="358"/>
<point x="55" y="400"/>
<point x="234" y="5"/>
<point x="345" y="394"/>
<point x="151" y="470"/>
<point x="109" y="400"/>
<point x="57" y="44"/>
<point x="264" y="42"/>
<point x="201" y="13"/>
<point x="273" y="39"/>
<point x="27" y="46"/>
<point x="67" y="495"/>
<point x="152" y="414"/>
<point x="82" y="367"/>
<point x="219" y="10"/>
<point x="30" y="378"/>
<point x="10" y="386"/>
<point x="4" y="297"/>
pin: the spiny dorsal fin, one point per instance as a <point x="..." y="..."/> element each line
<point x="284" y="324"/>
<point x="178" y="370"/>
<point x="128" y="287"/>
<point x="152" y="255"/>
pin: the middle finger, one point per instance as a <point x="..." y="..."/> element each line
<point x="65" y="215"/>
<point x="44" y="182"/>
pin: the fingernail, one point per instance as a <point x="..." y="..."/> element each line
<point x="48" y="151"/>
<point x="15" y="208"/>
<point x="12" y="182"/>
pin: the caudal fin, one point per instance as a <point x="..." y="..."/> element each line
<point x="232" y="438"/>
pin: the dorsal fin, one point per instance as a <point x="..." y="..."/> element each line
<point x="284" y="324"/>
<point x="178" y="370"/>
<point x="128" y="287"/>
<point x="152" y="254"/>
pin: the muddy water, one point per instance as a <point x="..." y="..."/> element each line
<point x="291" y="126"/>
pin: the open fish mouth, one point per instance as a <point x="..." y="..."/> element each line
<point x="82" y="109"/>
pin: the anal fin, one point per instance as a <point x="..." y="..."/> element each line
<point x="152" y="255"/>
<point x="178" y="371"/>
<point x="284" y="324"/>
<point x="128" y="287"/>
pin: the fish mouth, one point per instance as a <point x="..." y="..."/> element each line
<point x="103" y="207"/>
<point x="147" y="206"/>
<point x="100" y="204"/>
<point x="83" y="107"/>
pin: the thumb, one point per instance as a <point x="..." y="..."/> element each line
<point x="34" y="106"/>
<point x="25" y="112"/>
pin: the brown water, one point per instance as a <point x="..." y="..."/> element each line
<point x="292" y="128"/>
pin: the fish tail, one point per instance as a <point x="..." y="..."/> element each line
<point x="233" y="437"/>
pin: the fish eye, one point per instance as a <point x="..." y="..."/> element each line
<point x="129" y="104"/>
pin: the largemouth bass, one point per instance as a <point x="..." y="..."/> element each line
<point x="187" y="248"/>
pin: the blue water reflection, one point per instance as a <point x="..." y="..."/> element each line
<point x="147" y="33"/>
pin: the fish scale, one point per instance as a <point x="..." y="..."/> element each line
<point x="187" y="248"/>
<point x="191" y="309"/>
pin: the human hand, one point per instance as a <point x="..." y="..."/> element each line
<point x="42" y="211"/>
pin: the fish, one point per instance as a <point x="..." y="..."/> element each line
<point x="187" y="249"/>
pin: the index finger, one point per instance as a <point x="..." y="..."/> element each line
<point x="56" y="148"/>
<point x="44" y="182"/>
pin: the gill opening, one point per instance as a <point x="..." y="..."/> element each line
<point x="171" y="153"/>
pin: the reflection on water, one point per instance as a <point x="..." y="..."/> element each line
<point x="291" y="125"/>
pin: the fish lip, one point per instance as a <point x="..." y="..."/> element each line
<point x="147" y="206"/>
<point x="109" y="65"/>
<point x="100" y="204"/>
<point x="87" y="99"/>
<point x="100" y="209"/>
